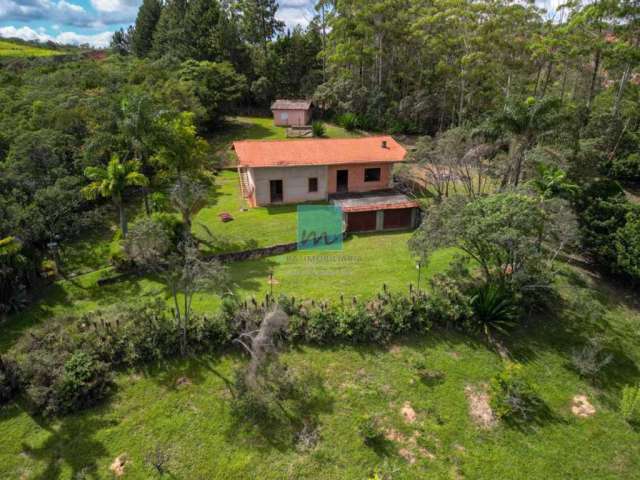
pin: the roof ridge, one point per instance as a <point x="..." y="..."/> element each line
<point x="291" y="140"/>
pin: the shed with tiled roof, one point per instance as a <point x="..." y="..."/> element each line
<point x="292" y="113"/>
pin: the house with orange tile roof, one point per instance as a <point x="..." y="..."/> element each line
<point x="354" y="174"/>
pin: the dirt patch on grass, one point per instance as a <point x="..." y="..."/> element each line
<point x="409" y="449"/>
<point x="395" y="350"/>
<point x="118" y="465"/>
<point x="408" y="413"/>
<point x="582" y="407"/>
<point x="183" y="382"/>
<point x="479" y="406"/>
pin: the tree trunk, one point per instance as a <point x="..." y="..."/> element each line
<point x="535" y="88"/>
<point x="564" y="83"/>
<point x="623" y="84"/>
<point x="547" y="79"/>
<point x="123" y="220"/>
<point x="594" y="78"/>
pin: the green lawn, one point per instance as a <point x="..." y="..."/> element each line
<point x="255" y="227"/>
<point x="192" y="421"/>
<point x="11" y="49"/>
<point x="359" y="269"/>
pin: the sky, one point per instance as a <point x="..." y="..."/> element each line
<point x="94" y="21"/>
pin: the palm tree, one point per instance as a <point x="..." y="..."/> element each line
<point x="139" y="126"/>
<point x="552" y="181"/>
<point x="526" y="121"/>
<point x="188" y="197"/>
<point x="112" y="181"/>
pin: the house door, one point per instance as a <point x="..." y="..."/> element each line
<point x="342" y="181"/>
<point x="276" y="191"/>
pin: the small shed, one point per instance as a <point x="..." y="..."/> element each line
<point x="292" y="113"/>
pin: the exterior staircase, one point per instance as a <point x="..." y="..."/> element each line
<point x="246" y="190"/>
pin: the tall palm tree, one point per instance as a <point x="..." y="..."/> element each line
<point x="188" y="197"/>
<point x="552" y="181"/>
<point x="112" y="181"/>
<point x="526" y="121"/>
<point x="140" y="128"/>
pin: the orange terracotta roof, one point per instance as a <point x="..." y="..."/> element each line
<point x="285" y="153"/>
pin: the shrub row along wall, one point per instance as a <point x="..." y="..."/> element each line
<point x="66" y="365"/>
<point x="254" y="254"/>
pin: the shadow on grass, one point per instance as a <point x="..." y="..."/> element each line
<point x="383" y="447"/>
<point x="586" y="316"/>
<point x="252" y="275"/>
<point x="192" y="369"/>
<point x="51" y="296"/>
<point x="70" y="442"/>
<point x="282" y="416"/>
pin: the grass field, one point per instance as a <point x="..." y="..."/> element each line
<point x="10" y="49"/>
<point x="359" y="269"/>
<point x="256" y="227"/>
<point x="191" y="419"/>
<point x="183" y="406"/>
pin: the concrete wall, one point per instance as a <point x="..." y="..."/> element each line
<point x="296" y="118"/>
<point x="356" y="177"/>
<point x="295" y="183"/>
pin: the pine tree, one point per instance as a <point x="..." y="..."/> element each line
<point x="260" y="22"/>
<point x="146" y="22"/>
<point x="170" y="35"/>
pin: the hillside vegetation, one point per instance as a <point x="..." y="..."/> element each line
<point x="10" y="49"/>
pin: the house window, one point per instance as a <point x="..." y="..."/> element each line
<point x="313" y="184"/>
<point x="284" y="116"/>
<point x="371" y="174"/>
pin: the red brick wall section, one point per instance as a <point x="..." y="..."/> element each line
<point x="356" y="177"/>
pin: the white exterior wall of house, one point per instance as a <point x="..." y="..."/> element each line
<point x="295" y="183"/>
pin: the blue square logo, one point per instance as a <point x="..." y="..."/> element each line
<point x="319" y="227"/>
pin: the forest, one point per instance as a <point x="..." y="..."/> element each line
<point x="522" y="128"/>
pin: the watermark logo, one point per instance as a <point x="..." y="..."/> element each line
<point x="319" y="227"/>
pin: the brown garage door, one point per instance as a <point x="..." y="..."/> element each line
<point x="361" y="221"/>
<point x="398" y="218"/>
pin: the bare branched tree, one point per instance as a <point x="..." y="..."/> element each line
<point x="262" y="344"/>
<point x="182" y="268"/>
<point x="449" y="162"/>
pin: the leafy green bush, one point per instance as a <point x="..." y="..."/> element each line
<point x="318" y="129"/>
<point x="84" y="382"/>
<point x="172" y="226"/>
<point x="9" y="380"/>
<point x="630" y="403"/>
<point x="448" y="304"/>
<point x="349" y="121"/>
<point x="377" y="320"/>
<point x="494" y="308"/>
<point x="16" y="270"/>
<point x="513" y="399"/>
<point x="627" y="245"/>
<point x="627" y="169"/>
<point x="589" y="360"/>
<point x="370" y="430"/>
<point x="58" y="376"/>
<point x="117" y="256"/>
<point x="602" y="210"/>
